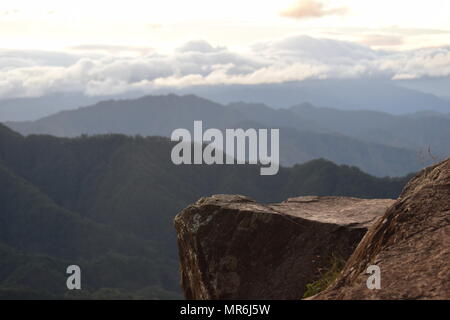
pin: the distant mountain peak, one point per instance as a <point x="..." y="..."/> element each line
<point x="304" y="105"/>
<point x="243" y="104"/>
<point x="173" y="97"/>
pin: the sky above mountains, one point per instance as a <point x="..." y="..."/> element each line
<point x="104" y="47"/>
<point x="54" y="24"/>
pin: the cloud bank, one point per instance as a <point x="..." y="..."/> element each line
<point x="306" y="9"/>
<point x="34" y="73"/>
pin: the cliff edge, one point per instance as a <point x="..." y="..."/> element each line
<point x="231" y="247"/>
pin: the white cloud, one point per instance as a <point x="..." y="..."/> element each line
<point x="382" y="40"/>
<point x="306" y="9"/>
<point x="31" y="73"/>
<point x="198" y="46"/>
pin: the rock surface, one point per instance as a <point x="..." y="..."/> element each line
<point x="411" y="245"/>
<point x="231" y="247"/>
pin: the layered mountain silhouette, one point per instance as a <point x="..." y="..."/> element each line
<point x="345" y="94"/>
<point x="106" y="203"/>
<point x="379" y="143"/>
<point x="395" y="97"/>
<point x="417" y="131"/>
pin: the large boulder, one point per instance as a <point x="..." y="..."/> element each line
<point x="410" y="245"/>
<point x="231" y="247"/>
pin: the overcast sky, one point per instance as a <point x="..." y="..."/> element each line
<point x="100" y="46"/>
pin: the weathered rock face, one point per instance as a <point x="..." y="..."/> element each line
<point x="231" y="247"/>
<point x="411" y="245"/>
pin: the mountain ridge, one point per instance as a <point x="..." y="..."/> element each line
<point x="160" y="115"/>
